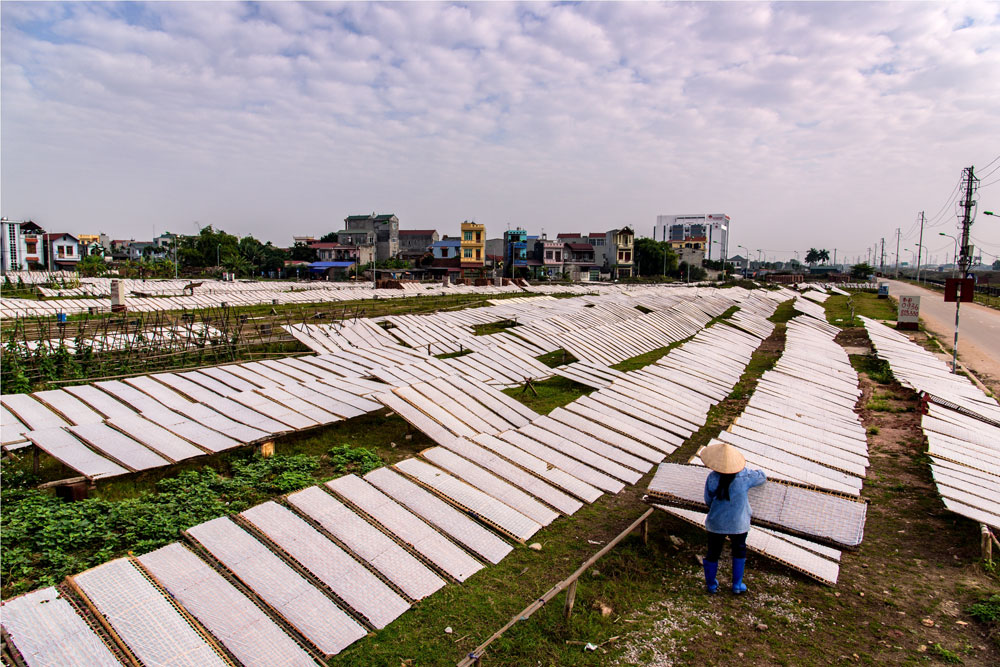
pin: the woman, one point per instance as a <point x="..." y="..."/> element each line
<point x="728" y="510"/>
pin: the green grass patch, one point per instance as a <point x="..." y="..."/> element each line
<point x="947" y="656"/>
<point x="493" y="327"/>
<point x="867" y="304"/>
<point x="552" y="393"/>
<point x="556" y="358"/>
<point x="877" y="369"/>
<point x="643" y="309"/>
<point x="641" y="360"/>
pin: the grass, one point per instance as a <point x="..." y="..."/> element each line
<point x="552" y="393"/>
<point x="867" y="304"/>
<point x="875" y="368"/>
<point x="556" y="358"/>
<point x="493" y="327"/>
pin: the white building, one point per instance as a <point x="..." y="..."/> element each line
<point x="710" y="229"/>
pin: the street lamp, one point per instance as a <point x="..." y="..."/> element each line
<point x="746" y="260"/>
<point x="995" y="215"/>
<point x="954" y="256"/>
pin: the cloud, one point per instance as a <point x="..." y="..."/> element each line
<point x="811" y="124"/>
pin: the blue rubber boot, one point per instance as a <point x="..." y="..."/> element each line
<point x="739" y="564"/>
<point x="711" y="583"/>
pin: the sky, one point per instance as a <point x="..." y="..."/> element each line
<point x="825" y="125"/>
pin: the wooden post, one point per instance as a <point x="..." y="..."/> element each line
<point x="528" y="385"/>
<point x="570" y="598"/>
<point x="986" y="543"/>
<point x="266" y="449"/>
<point x="645" y="532"/>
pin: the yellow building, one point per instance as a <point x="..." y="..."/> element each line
<point x="87" y="239"/>
<point x="473" y="249"/>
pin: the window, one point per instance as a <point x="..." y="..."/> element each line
<point x="628" y="256"/>
<point x="31" y="246"/>
<point x="548" y="254"/>
<point x="468" y="253"/>
<point x="60" y="251"/>
<point x="478" y="254"/>
<point x="467" y="236"/>
<point x="558" y="255"/>
<point x="444" y="252"/>
<point x="479" y="237"/>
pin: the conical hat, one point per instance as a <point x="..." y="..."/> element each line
<point x="723" y="458"/>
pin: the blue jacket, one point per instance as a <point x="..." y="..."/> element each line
<point x="731" y="517"/>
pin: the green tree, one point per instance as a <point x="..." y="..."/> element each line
<point x="92" y="265"/>
<point x="328" y="238"/>
<point x="303" y="253"/>
<point x="812" y="256"/>
<point x="824" y="256"/>
<point x="862" y="271"/>
<point x="650" y="256"/>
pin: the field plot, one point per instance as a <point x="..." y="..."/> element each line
<point x="424" y="542"/>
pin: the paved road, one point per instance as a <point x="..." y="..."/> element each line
<point x="979" y="328"/>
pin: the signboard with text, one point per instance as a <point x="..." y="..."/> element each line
<point x="909" y="312"/>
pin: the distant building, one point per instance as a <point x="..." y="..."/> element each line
<point x="21" y="246"/>
<point x="494" y="247"/>
<point x="382" y="230"/>
<point x="446" y="248"/>
<point x="473" y="241"/>
<point x="618" y="249"/>
<point x="708" y="231"/>
<point x="579" y="260"/>
<point x="62" y="251"/>
<point x="415" y="243"/>
<point x="304" y="240"/>
<point x="515" y="252"/>
<point x="548" y="258"/>
<point x="335" y="252"/>
<point x="138" y="250"/>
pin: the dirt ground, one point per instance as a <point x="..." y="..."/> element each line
<point x="902" y="597"/>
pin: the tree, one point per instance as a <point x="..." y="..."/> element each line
<point x="303" y="253"/>
<point x="812" y="256"/>
<point x="824" y="256"/>
<point x="328" y="238"/>
<point x="650" y="257"/>
<point x="862" y="271"/>
<point x="92" y="265"/>
<point x="996" y="265"/>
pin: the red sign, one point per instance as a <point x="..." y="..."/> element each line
<point x="952" y="287"/>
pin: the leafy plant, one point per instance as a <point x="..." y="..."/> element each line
<point x="947" y="656"/>
<point x="46" y="539"/>
<point x="358" y="460"/>
<point x="986" y="610"/>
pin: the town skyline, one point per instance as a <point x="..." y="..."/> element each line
<point x="810" y="125"/>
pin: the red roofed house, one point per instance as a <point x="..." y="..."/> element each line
<point x="63" y="250"/>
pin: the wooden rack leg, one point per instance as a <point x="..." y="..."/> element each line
<point x="570" y="598"/>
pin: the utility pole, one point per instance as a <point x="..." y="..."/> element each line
<point x="881" y="256"/>
<point x="897" y="252"/>
<point x="920" y="244"/>
<point x="965" y="256"/>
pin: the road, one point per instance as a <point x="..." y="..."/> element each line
<point x="979" y="329"/>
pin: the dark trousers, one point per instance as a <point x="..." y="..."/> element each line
<point x="715" y="540"/>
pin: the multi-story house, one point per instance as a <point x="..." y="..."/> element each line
<point x="415" y="243"/>
<point x="619" y="250"/>
<point x="515" y="252"/>
<point x="62" y="251"/>
<point x="21" y="246"/>
<point x="549" y="257"/>
<point x="473" y="249"/>
<point x="579" y="260"/>
<point x="335" y="252"/>
<point x="383" y="230"/>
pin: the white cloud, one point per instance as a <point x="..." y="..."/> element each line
<point x="809" y="123"/>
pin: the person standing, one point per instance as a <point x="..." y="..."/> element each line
<point x="728" y="510"/>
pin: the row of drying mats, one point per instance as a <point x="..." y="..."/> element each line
<point x="291" y="581"/>
<point x="800" y="427"/>
<point x="961" y="424"/>
<point x="154" y="295"/>
<point x="117" y="427"/>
